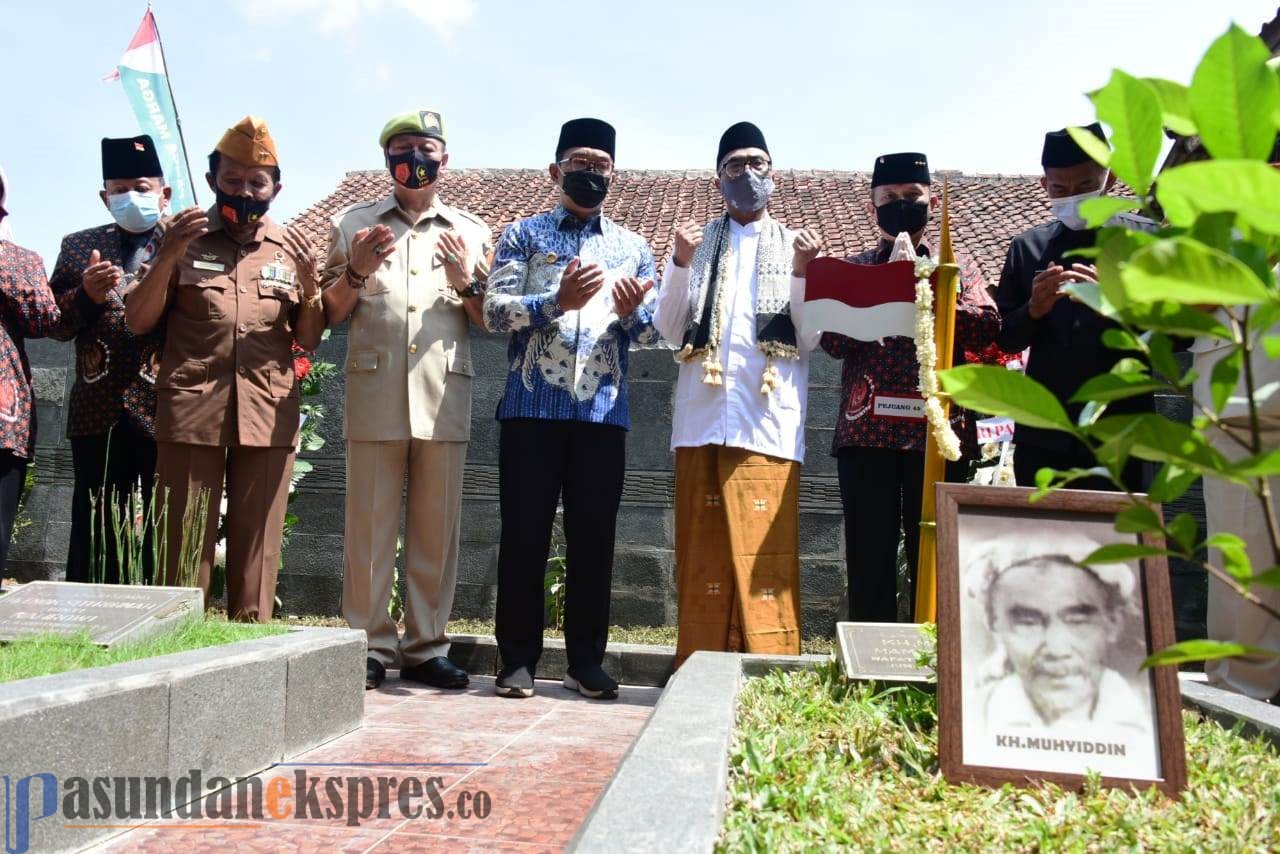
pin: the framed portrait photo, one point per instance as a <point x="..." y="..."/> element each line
<point x="1039" y="656"/>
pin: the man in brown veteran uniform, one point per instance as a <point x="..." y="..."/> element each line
<point x="234" y="291"/>
<point x="403" y="270"/>
<point x="111" y="422"/>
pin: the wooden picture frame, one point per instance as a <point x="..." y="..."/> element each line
<point x="1050" y="673"/>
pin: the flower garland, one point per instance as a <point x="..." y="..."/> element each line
<point x="927" y="357"/>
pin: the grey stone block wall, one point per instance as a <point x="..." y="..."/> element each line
<point x="644" y="581"/>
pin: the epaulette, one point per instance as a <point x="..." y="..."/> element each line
<point x="355" y="207"/>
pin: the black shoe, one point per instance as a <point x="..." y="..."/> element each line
<point x="374" y="673"/>
<point x="591" y="682"/>
<point x="438" y="672"/>
<point x="514" y="682"/>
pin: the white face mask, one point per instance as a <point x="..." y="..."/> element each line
<point x="1067" y="208"/>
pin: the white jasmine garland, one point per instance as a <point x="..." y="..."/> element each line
<point x="927" y="357"/>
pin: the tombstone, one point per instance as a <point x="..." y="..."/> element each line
<point x="885" y="652"/>
<point x="108" y="613"/>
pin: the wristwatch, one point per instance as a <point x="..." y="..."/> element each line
<point x="474" y="289"/>
<point x="356" y="282"/>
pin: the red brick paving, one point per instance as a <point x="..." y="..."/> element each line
<point x="541" y="762"/>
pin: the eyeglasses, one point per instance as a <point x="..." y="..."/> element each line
<point x="578" y="163"/>
<point x="737" y="165"/>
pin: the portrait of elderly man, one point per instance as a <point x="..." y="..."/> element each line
<point x="1051" y="657"/>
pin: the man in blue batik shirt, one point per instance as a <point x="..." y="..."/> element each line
<point x="574" y="289"/>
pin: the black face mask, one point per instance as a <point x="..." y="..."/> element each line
<point x="239" y="210"/>
<point x="586" y="188"/>
<point x="413" y="169"/>
<point x="902" y="215"/>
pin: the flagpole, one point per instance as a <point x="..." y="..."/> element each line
<point x="935" y="467"/>
<point x="168" y="81"/>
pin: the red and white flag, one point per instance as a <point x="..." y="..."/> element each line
<point x="863" y="301"/>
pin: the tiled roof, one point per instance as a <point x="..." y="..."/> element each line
<point x="987" y="210"/>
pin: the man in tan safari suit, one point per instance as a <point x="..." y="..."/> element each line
<point x="403" y="269"/>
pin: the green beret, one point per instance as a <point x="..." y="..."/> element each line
<point x="418" y="122"/>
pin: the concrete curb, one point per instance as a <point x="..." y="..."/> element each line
<point x="669" y="792"/>
<point x="227" y="711"/>
<point x="1229" y="708"/>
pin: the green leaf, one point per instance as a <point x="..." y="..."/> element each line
<point x="1091" y="412"/>
<point x="1090" y="294"/>
<point x="1226" y="373"/>
<point x="1115" y="249"/>
<point x="1048" y="479"/>
<point x="1182" y="270"/>
<point x="1174" y="319"/>
<point x="1129" y="366"/>
<point x="1160" y="350"/>
<point x="1121" y="553"/>
<point x="1132" y="110"/>
<point x="1262" y="318"/>
<point x="1097" y="211"/>
<point x="1235" y="557"/>
<point x="1256" y="259"/>
<point x="997" y="391"/>
<point x="1184" y="531"/>
<point x="1266" y="464"/>
<point x="1098" y="150"/>
<point x="1156" y="438"/>
<point x="1171" y="483"/>
<point x="1269" y="578"/>
<point x="1205" y="650"/>
<point x="1234" y="97"/>
<point x="1138" y="519"/>
<point x="1175" y="105"/>
<point x="1108" y="387"/>
<point x="1247" y="188"/>
<point x="1211" y="228"/>
<point x="1121" y="339"/>
<point x="1271" y="343"/>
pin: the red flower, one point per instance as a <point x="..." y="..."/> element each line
<point x="992" y="355"/>
<point x="301" y="367"/>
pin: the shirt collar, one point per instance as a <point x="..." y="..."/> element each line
<point x="266" y="230"/>
<point x="437" y="209"/>
<point x="567" y="221"/>
<point x="753" y="228"/>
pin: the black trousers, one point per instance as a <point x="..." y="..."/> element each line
<point x="1028" y="459"/>
<point x="118" y="461"/>
<point x="13" y="473"/>
<point x="881" y="490"/>
<point x="541" y="462"/>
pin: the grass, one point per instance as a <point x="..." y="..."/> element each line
<point x="44" y="654"/>
<point x="656" y="635"/>
<point x="821" y="763"/>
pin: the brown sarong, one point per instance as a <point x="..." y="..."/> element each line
<point x="737" y="551"/>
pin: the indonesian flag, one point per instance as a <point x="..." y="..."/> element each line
<point x="146" y="82"/>
<point x="863" y="301"/>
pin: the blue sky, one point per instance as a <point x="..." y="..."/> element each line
<point x="973" y="84"/>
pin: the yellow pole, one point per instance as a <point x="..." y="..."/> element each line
<point x="944" y="335"/>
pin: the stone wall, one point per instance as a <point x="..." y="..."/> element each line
<point x="643" y="588"/>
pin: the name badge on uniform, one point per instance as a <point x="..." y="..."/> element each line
<point x="278" y="276"/>
<point x="213" y="266"/>
<point x="899" y="406"/>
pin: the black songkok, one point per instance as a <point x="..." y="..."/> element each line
<point x="134" y="157"/>
<point x="1061" y="151"/>
<point x="908" y="167"/>
<point x="741" y="135"/>
<point x="586" y="133"/>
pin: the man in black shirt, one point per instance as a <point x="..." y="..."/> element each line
<point x="1065" y="337"/>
